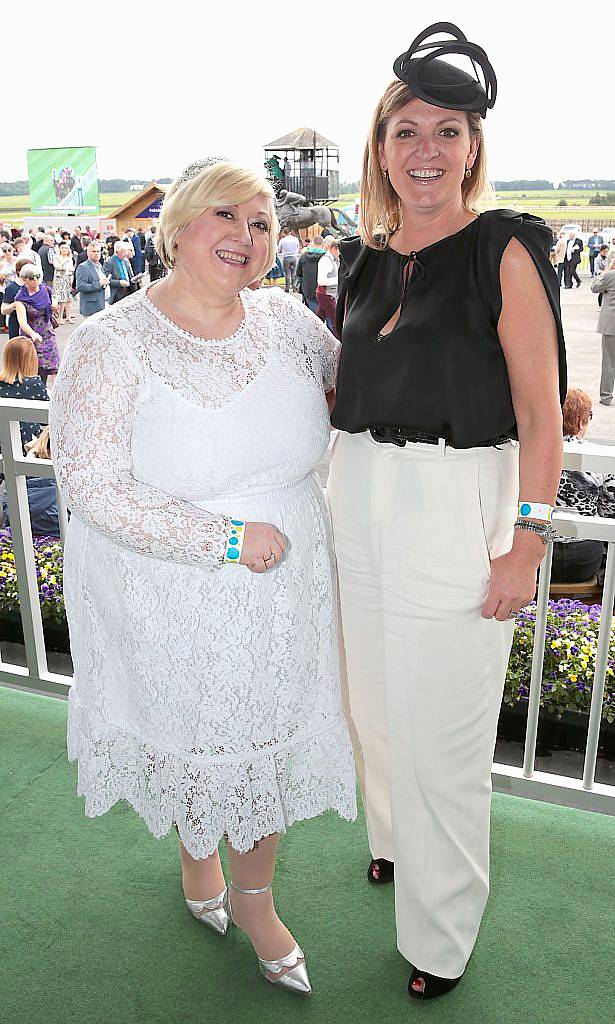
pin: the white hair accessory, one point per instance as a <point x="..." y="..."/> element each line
<point x="195" y="168"/>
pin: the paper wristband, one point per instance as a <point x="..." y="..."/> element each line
<point x="534" y="510"/>
<point x="234" y="541"/>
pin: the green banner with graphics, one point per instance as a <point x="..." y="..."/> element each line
<point x="63" y="180"/>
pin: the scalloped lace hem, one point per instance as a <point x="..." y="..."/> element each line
<point x="244" y="802"/>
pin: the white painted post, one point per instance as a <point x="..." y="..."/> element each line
<point x="538" y="657"/>
<point x="23" y="550"/>
<point x="602" y="656"/>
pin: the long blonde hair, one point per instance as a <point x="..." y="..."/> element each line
<point x="380" y="214"/>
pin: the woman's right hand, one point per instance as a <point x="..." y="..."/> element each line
<point x="260" y="542"/>
<point x="36" y="337"/>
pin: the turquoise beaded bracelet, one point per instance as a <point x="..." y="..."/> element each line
<point x="534" y="510"/>
<point x="234" y="541"/>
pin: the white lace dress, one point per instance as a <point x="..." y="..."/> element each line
<point x="204" y="694"/>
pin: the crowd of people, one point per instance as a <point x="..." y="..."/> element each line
<point x="566" y="255"/>
<point x="20" y="379"/>
<point x="311" y="270"/>
<point x="56" y="257"/>
<point x="41" y="274"/>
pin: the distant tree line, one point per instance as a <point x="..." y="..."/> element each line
<point x="523" y="185"/>
<point x="13" y="188"/>
<point x="527" y="185"/>
<point x="21" y="188"/>
<point x="588" y="183"/>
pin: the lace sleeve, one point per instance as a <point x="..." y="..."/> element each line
<point x="311" y="339"/>
<point x="328" y="348"/>
<point x="91" y="419"/>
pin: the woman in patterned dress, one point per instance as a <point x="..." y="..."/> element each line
<point x="206" y="685"/>
<point x="34" y="310"/>
<point x="62" y="281"/>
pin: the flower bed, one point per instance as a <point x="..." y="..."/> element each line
<point x="570" y="650"/>
<point x="570" y="657"/>
<point x="49" y="563"/>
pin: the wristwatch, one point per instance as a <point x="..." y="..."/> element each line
<point x="546" y="531"/>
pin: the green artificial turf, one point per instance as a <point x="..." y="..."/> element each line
<point x="93" y="929"/>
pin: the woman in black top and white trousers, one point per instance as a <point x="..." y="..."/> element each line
<point x="448" y="405"/>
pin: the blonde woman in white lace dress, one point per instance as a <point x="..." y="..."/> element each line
<point x="206" y="691"/>
<point x="62" y="281"/>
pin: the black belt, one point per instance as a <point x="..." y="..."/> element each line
<point x="403" y="435"/>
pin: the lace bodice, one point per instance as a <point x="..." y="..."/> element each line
<point x="140" y="404"/>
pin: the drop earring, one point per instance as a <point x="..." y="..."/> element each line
<point x="468" y="172"/>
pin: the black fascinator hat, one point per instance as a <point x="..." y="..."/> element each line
<point x="442" y="84"/>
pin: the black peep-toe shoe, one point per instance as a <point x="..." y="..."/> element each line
<point x="429" y="986"/>
<point x="380" y="871"/>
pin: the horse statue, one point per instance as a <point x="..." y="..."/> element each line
<point x="294" y="212"/>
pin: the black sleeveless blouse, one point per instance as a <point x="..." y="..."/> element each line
<point x="441" y="370"/>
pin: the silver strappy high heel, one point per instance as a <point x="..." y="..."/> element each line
<point x="211" y="912"/>
<point x="296" y="979"/>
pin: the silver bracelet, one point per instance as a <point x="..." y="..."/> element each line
<point x="546" y="531"/>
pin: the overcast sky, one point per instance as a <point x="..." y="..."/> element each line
<point x="168" y="83"/>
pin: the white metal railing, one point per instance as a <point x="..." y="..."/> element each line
<point x="525" y="781"/>
<point x="36" y="675"/>
<point x="585" y="793"/>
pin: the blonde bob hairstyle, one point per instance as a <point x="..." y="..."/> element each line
<point x="221" y="184"/>
<point x="381" y="211"/>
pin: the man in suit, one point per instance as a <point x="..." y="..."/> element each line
<point x="91" y="282"/>
<point x="605" y="285"/>
<point x="119" y="272"/>
<point x="307" y="271"/>
<point x="46" y="253"/>
<point x="560" y="255"/>
<point x="143" y="242"/>
<point x="154" y="263"/>
<point x="136" y="261"/>
<point x="75" y="242"/>
<point x="574" y="248"/>
<point x="593" y="243"/>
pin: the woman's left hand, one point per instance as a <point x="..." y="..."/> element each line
<point x="512" y="586"/>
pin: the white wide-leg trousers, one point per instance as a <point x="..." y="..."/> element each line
<point x="415" y="529"/>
